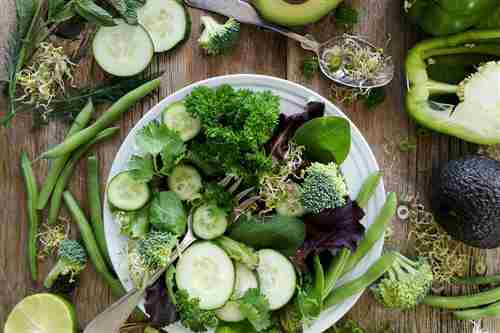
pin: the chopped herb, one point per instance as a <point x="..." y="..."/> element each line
<point x="373" y="98"/>
<point x="346" y="16"/>
<point x="407" y="146"/>
<point x="310" y="67"/>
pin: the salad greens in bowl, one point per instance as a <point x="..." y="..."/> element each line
<point x="279" y="188"/>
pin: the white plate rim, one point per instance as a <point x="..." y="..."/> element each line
<point x="329" y="316"/>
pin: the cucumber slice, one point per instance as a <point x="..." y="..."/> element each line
<point x="245" y="279"/>
<point x="209" y="221"/>
<point x="230" y="312"/>
<point x="125" y="193"/>
<point x="123" y="49"/>
<point x="166" y="21"/>
<point x="176" y="117"/>
<point x="206" y="272"/>
<point x="277" y="278"/>
<point x="185" y="181"/>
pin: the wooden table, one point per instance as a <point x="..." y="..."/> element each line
<point x="259" y="52"/>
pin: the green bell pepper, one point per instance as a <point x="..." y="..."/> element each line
<point x="476" y="116"/>
<point x="446" y="17"/>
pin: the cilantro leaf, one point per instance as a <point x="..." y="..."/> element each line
<point x="172" y="155"/>
<point x="141" y="168"/>
<point x="255" y="307"/>
<point x="155" y="137"/>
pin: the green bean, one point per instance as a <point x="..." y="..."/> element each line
<point x="368" y="188"/>
<point x="359" y="284"/>
<point x="319" y="280"/>
<point x="492" y="310"/>
<point x="95" y="206"/>
<point x="374" y="233"/>
<point x="58" y="164"/>
<point x="106" y="119"/>
<point x="64" y="177"/>
<point x="91" y="245"/>
<point x="31" y="199"/>
<point x="478" y="280"/>
<point x="335" y="270"/>
<point x="465" y="301"/>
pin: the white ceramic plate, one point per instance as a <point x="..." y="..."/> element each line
<point x="358" y="165"/>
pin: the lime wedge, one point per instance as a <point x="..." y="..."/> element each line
<point x="42" y="313"/>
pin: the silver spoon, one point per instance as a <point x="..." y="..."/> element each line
<point x="245" y="13"/>
<point x="111" y="319"/>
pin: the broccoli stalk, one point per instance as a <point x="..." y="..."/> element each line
<point x="405" y="284"/>
<point x="72" y="260"/>
<point x="324" y="188"/>
<point x="218" y="38"/>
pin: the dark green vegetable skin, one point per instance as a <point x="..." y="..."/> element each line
<point x="446" y="17"/>
<point x="31" y="200"/>
<point x="422" y="88"/>
<point x="281" y="233"/>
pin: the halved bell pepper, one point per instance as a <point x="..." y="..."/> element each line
<point x="445" y="17"/>
<point x="474" y="115"/>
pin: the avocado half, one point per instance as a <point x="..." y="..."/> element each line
<point x="466" y="201"/>
<point x="290" y="14"/>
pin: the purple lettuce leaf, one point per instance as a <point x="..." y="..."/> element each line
<point x="159" y="307"/>
<point x="288" y="124"/>
<point x="332" y="229"/>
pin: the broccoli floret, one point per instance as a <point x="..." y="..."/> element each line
<point x="324" y="187"/>
<point x="405" y="284"/>
<point x="72" y="259"/>
<point x="217" y="38"/>
<point x="155" y="249"/>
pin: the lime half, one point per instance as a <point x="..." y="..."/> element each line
<point x="42" y="313"/>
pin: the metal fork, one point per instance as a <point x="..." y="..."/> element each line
<point x="111" y="319"/>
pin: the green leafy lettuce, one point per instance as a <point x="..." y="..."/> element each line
<point x="167" y="213"/>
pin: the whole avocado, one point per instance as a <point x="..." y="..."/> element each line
<point x="467" y="201"/>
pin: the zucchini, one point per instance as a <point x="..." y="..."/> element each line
<point x="123" y="49"/>
<point x="176" y="117"/>
<point x="166" y="21"/>
<point x="125" y="193"/>
<point x="209" y="221"/>
<point x="277" y="278"/>
<point x="206" y="272"/>
<point x="185" y="181"/>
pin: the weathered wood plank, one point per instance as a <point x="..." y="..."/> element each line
<point x="258" y="52"/>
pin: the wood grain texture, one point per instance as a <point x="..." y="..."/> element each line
<point x="258" y="52"/>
